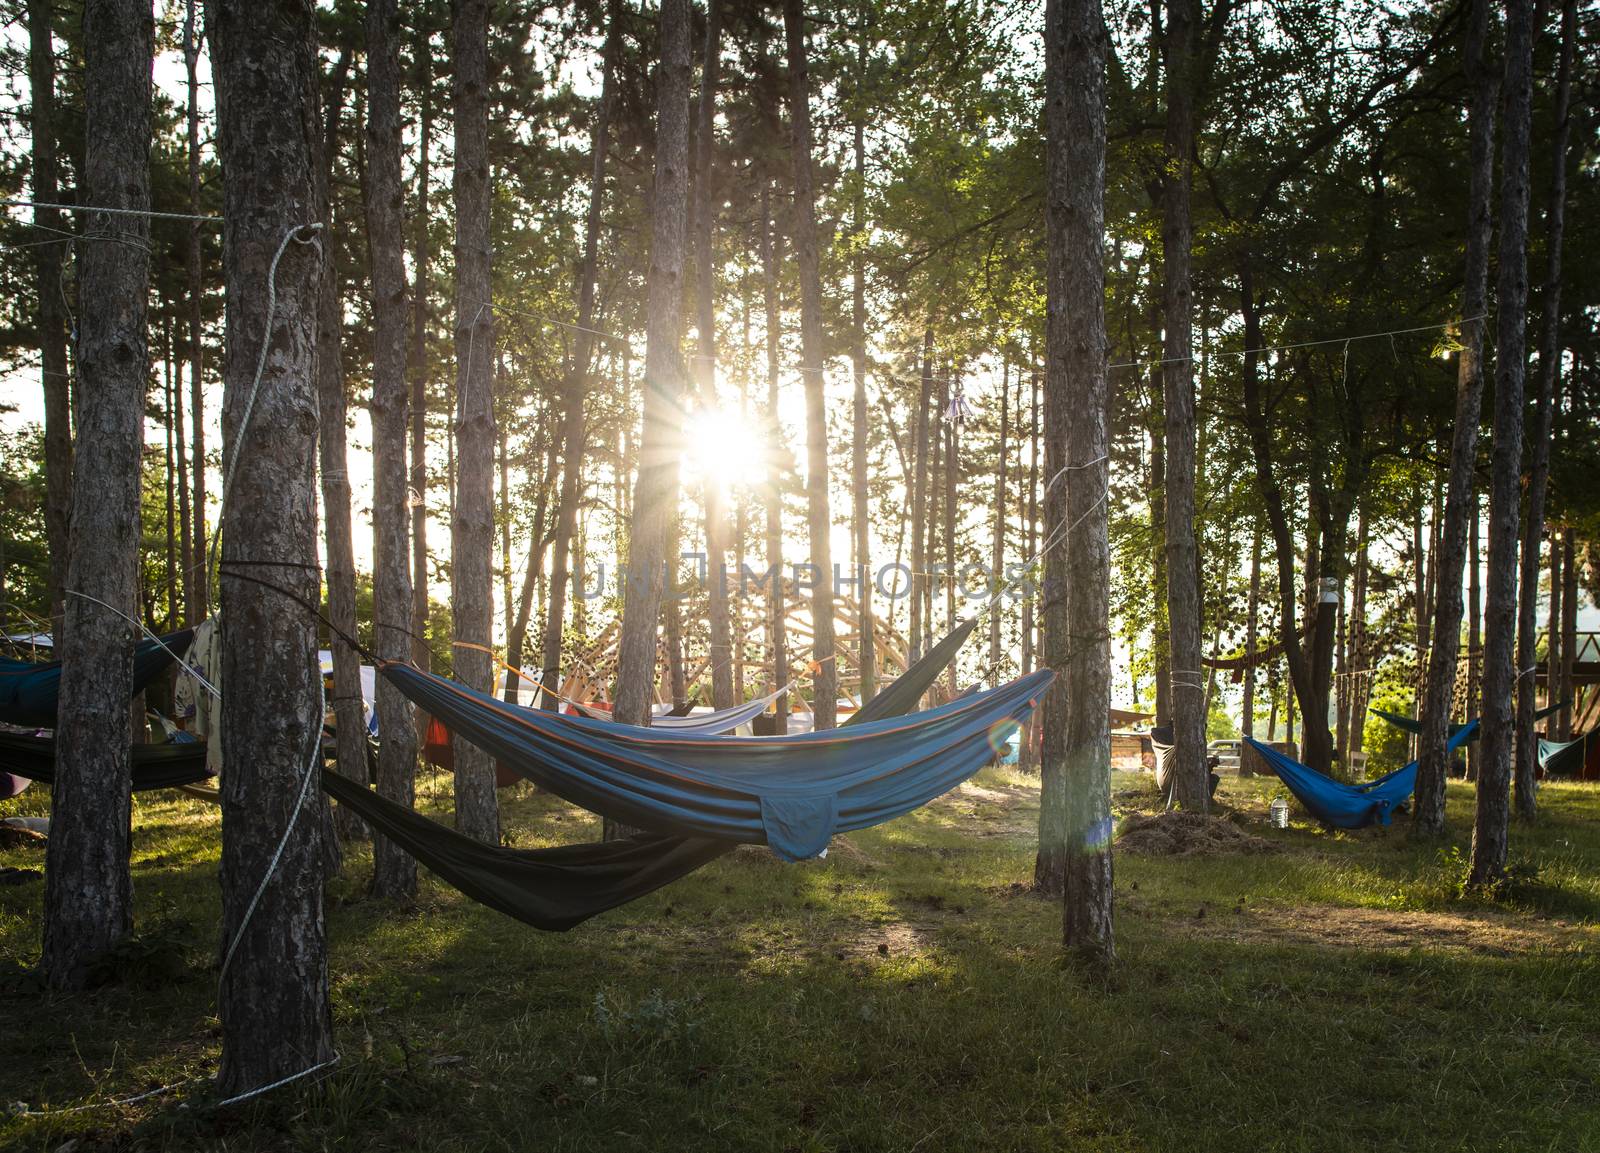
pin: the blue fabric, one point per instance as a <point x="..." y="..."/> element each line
<point x="30" y="690"/>
<point x="1414" y="726"/>
<point x="789" y="793"/>
<point x="1350" y="806"/>
<point x="1564" y="758"/>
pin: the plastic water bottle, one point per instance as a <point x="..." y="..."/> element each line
<point x="1279" y="810"/>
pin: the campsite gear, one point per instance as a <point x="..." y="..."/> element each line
<point x="163" y="766"/>
<point x="29" y="690"/>
<point x="1279" y="810"/>
<point x="1570" y="759"/>
<point x="1350" y="806"/>
<point x="789" y="793"/>
<point x="1414" y="727"/>
<point x="555" y="889"/>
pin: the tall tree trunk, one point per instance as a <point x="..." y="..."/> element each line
<point x="860" y="430"/>
<point x="655" y="496"/>
<point x="1190" y="780"/>
<point x="919" y="501"/>
<point x="1161" y="639"/>
<point x="997" y="561"/>
<point x="394" y="872"/>
<point x="770" y="259"/>
<point x="1026" y="756"/>
<point x="472" y="512"/>
<point x="1075" y="826"/>
<point x="574" y="436"/>
<point x="1361" y="656"/>
<point x="185" y="514"/>
<point x="1474" y="630"/>
<point x="51" y="314"/>
<point x="705" y="295"/>
<point x="1527" y="747"/>
<point x="418" y="496"/>
<point x="88" y="887"/>
<point x="1489" y="831"/>
<point x="1252" y="607"/>
<point x="200" y="576"/>
<point x="825" y="680"/>
<point x="169" y="419"/>
<point x="333" y="457"/>
<point x="273" y="995"/>
<point x="1569" y="634"/>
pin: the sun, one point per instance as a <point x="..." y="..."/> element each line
<point x="726" y="447"/>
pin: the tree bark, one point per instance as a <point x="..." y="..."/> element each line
<point x="655" y="497"/>
<point x="1527" y="745"/>
<point x="333" y="457"/>
<point x="574" y="435"/>
<point x="273" y="995"/>
<point x="825" y="678"/>
<point x="1489" y="831"/>
<point x="1252" y="607"/>
<point x="88" y="887"/>
<point x="200" y="576"/>
<point x="394" y="872"/>
<point x="418" y="496"/>
<point x="1360" y="648"/>
<point x="1190" y="784"/>
<point x="770" y="260"/>
<point x="860" y="430"/>
<point x="1161" y="642"/>
<point x="705" y="222"/>
<point x="1076" y="765"/>
<point x="51" y="312"/>
<point x="1569" y="634"/>
<point x="1026" y="757"/>
<point x="1474" y="631"/>
<point x="472" y="514"/>
<point x="997" y="561"/>
<point x="919" y="502"/>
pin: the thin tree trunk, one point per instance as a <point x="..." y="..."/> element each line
<point x="1252" y="607"/>
<point x="170" y="472"/>
<point x="333" y="457"/>
<point x="825" y="680"/>
<point x="394" y="872"/>
<point x="655" y="498"/>
<point x="705" y="223"/>
<point x="998" y="559"/>
<point x="574" y="434"/>
<point x="919" y="500"/>
<point x="1489" y="831"/>
<point x="860" y="430"/>
<point x="1527" y="747"/>
<point x="88" y="887"/>
<point x="770" y="259"/>
<point x="1190" y="785"/>
<point x="418" y="496"/>
<point x="273" y="994"/>
<point x="1474" y="630"/>
<point x="200" y="576"/>
<point x="1569" y="634"/>
<point x="51" y="310"/>
<point x="1027" y="758"/>
<point x="1552" y="630"/>
<point x="185" y="541"/>
<point x="1161" y="643"/>
<point x="1077" y="763"/>
<point x="1359" y="646"/>
<point x="472" y="515"/>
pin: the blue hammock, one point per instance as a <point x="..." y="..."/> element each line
<point x="1565" y="758"/>
<point x="789" y="793"/>
<point x="1350" y="806"/>
<point x="30" y="690"/>
<point x="1414" y="727"/>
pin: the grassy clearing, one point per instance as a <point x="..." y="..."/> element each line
<point x="904" y="993"/>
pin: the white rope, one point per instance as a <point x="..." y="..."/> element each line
<point x="1345" y="340"/>
<point x="279" y="1083"/>
<point x="183" y="664"/>
<point x="111" y="211"/>
<point x="293" y="234"/>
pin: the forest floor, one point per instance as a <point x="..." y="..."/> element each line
<point x="1292" y="989"/>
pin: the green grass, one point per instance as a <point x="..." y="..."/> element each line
<point x="906" y="993"/>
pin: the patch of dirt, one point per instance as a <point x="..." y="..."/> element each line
<point x="1183" y="834"/>
<point x="1386" y="930"/>
<point x="895" y="939"/>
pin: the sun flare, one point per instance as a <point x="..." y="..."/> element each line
<point x="726" y="447"/>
